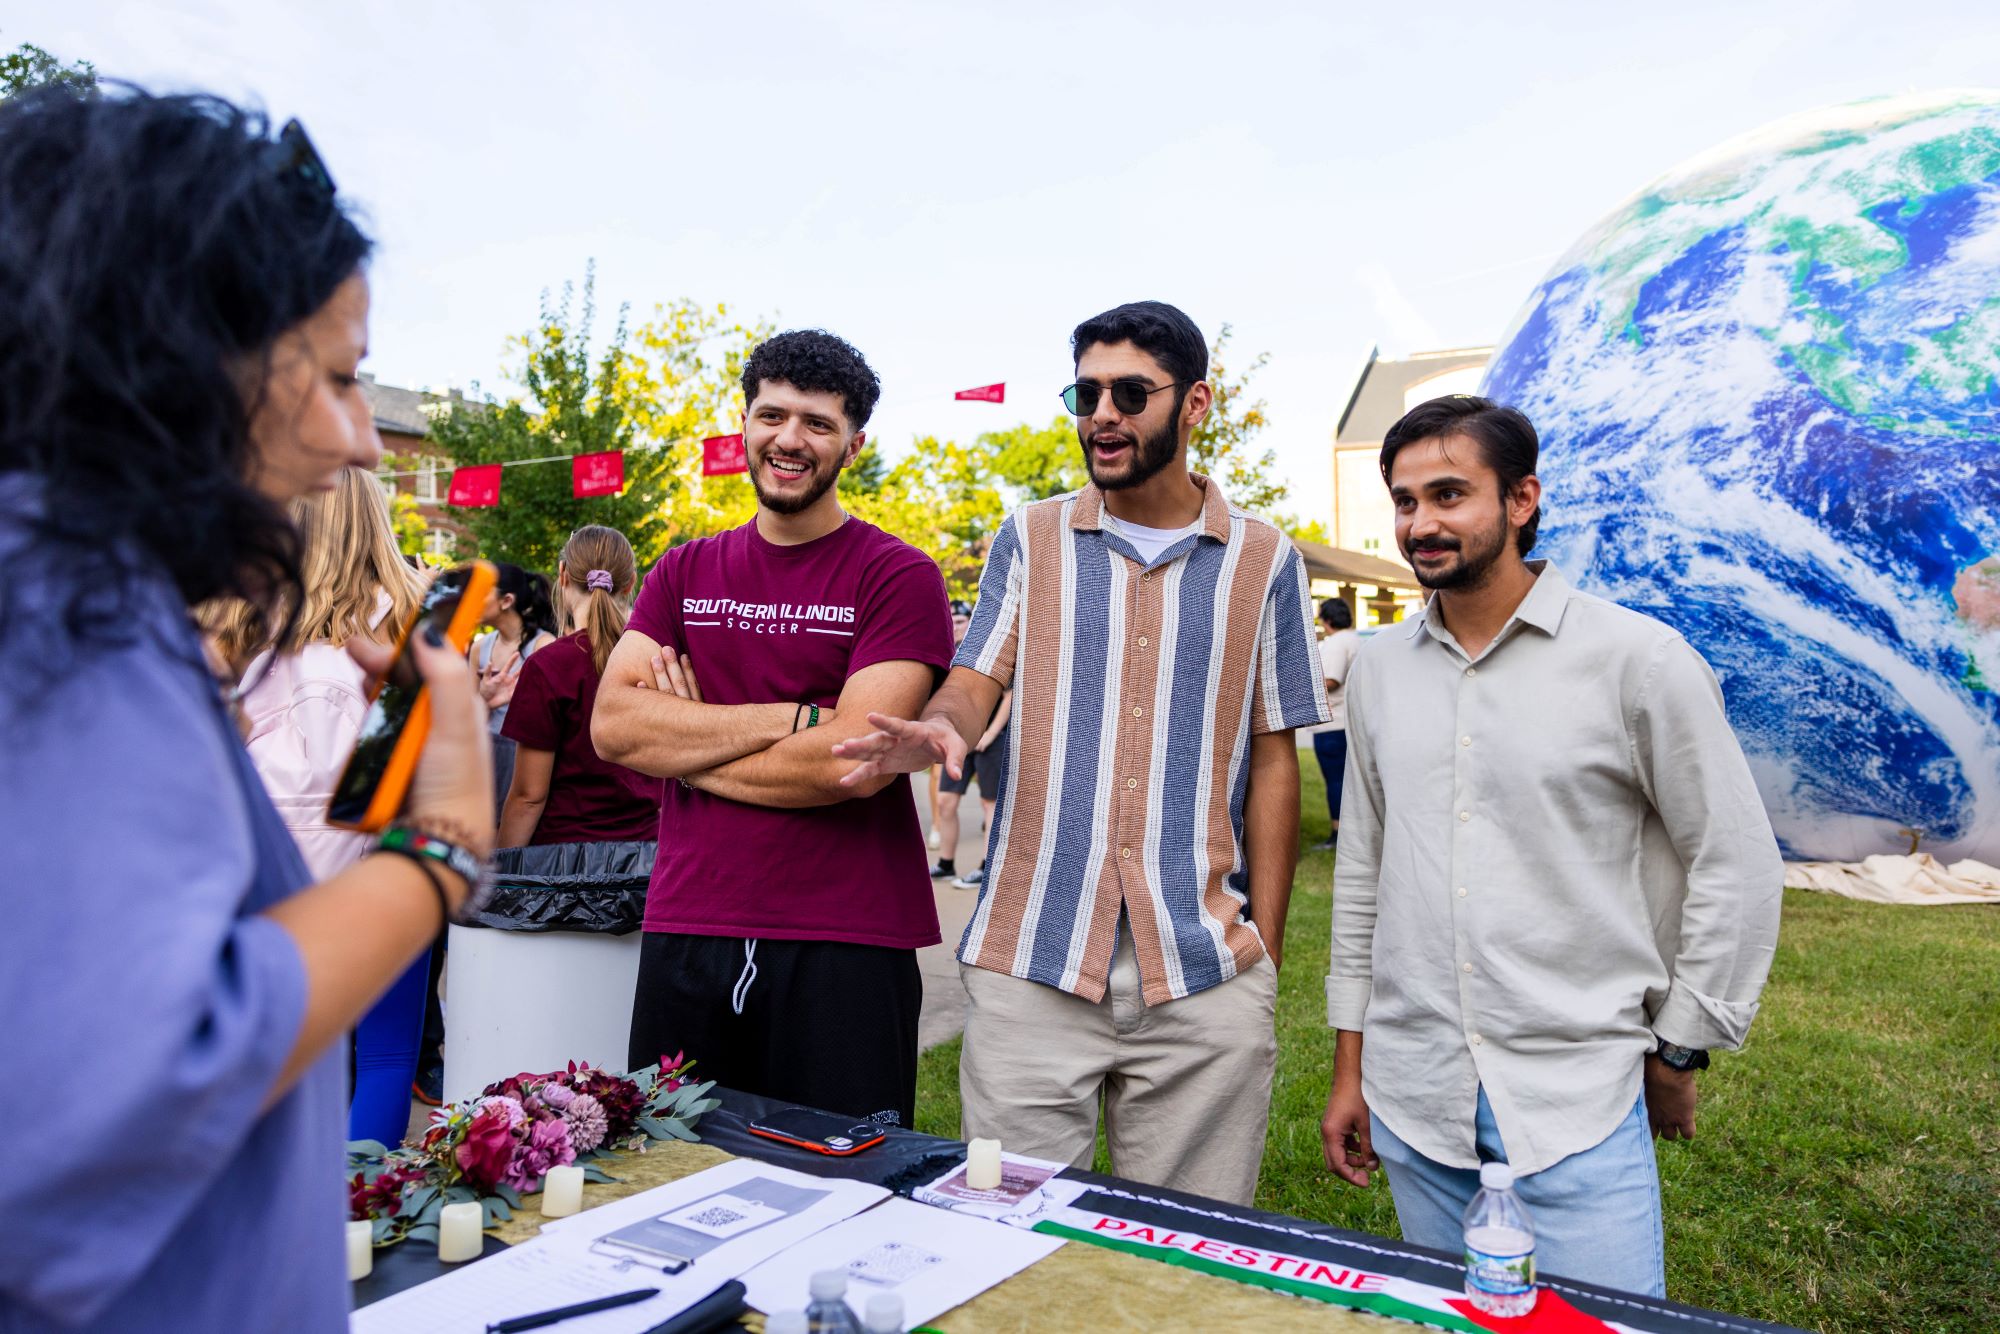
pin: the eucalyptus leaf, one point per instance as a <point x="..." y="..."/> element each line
<point x="679" y="1131"/>
<point x="592" y="1172"/>
<point x="508" y="1193"/>
<point x="367" y="1148"/>
<point x="424" y="1232"/>
<point x="429" y="1215"/>
<point x="379" y="1234"/>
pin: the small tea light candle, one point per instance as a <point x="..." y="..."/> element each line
<point x="360" y="1249"/>
<point x="982" y="1164"/>
<point x="458" y="1233"/>
<point x="562" y="1192"/>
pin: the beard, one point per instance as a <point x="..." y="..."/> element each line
<point x="1472" y="568"/>
<point x="1150" y="454"/>
<point x="818" y="483"/>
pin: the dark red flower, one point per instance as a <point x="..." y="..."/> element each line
<point x="488" y="1149"/>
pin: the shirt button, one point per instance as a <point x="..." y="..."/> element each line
<point x="1465" y="741"/>
<point x="1131" y="783"/>
<point x="1461" y="891"/>
<point x="1472" y="671"/>
<point x="1146" y="574"/>
<point x="1142" y="641"/>
<point x="1124" y="852"/>
<point x="1477" y="1040"/>
<point x="1465" y="967"/>
<point x="1138" y="712"/>
<point x="1463" y="816"/>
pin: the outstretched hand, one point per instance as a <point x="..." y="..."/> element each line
<point x="899" y="746"/>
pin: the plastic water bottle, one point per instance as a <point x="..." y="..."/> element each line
<point x="828" y="1313"/>
<point x="1499" y="1246"/>
<point x="884" y="1314"/>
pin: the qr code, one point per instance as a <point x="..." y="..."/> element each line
<point x="716" y="1216"/>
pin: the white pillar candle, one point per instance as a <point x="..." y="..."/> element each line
<point x="360" y="1249"/>
<point x="982" y="1164"/>
<point x="458" y="1233"/>
<point x="562" y="1192"/>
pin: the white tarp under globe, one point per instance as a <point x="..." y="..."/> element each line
<point x="1768" y="390"/>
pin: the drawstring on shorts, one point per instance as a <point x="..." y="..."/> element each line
<point x="748" y="976"/>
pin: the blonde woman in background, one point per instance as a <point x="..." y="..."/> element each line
<point x="302" y="710"/>
<point x="562" y="792"/>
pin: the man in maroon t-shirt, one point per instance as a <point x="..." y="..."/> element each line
<point x="785" y="910"/>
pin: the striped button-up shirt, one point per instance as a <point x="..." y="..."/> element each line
<point x="1137" y="687"/>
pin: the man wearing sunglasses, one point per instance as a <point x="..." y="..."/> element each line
<point x="1158" y="642"/>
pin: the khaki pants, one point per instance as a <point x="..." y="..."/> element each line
<point x="1186" y="1086"/>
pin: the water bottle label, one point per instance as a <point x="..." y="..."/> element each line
<point x="1500" y="1275"/>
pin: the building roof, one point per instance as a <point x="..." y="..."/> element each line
<point x="401" y="410"/>
<point x="1379" y="392"/>
<point x="1352" y="567"/>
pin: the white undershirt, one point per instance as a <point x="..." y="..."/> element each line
<point x="1148" y="542"/>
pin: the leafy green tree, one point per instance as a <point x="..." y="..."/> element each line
<point x="1224" y="447"/>
<point x="28" y="67"/>
<point x="1035" y="462"/>
<point x="574" y="405"/>
<point x="867" y="474"/>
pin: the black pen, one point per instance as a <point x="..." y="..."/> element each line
<point x="521" y="1322"/>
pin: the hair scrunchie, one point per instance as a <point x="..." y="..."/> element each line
<point x="598" y="579"/>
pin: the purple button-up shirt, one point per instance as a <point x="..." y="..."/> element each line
<point x="146" y="1005"/>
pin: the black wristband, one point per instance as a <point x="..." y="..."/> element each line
<point x="797" y="713"/>
<point x="423" y="863"/>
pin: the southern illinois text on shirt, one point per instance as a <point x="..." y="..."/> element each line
<point x="769" y="618"/>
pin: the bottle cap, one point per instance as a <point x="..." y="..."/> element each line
<point x="1496" y="1176"/>
<point x="828" y="1285"/>
<point x="885" y="1312"/>
<point x="786" y="1322"/>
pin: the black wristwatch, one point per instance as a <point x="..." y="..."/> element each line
<point x="1683" y="1059"/>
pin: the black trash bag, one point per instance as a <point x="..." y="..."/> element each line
<point x="596" y="888"/>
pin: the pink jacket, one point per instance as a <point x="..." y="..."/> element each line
<point x="304" y="715"/>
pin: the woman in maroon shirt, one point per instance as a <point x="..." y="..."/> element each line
<point x="562" y="792"/>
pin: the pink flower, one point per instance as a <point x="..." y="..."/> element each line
<point x="487" y="1152"/>
<point x="556" y="1096"/>
<point x="516" y="1113"/>
<point x="547" y="1146"/>
<point x="587" y="1122"/>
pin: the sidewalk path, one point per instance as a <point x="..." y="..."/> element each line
<point x="943" y="1015"/>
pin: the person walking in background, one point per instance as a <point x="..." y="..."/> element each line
<point x="1558" y="889"/>
<point x="522" y="620"/>
<point x="1158" y="641"/>
<point x="989" y="766"/>
<point x="183" y="311"/>
<point x="786" y="908"/>
<point x="563" y="792"/>
<point x="1338" y="643"/>
<point x="303" y="701"/>
<point x="947" y="793"/>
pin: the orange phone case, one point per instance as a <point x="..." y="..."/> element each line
<point x="816" y="1145"/>
<point x="387" y="801"/>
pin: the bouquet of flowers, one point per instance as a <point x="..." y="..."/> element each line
<point x="497" y="1146"/>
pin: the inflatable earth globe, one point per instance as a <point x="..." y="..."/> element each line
<point x="1768" y="391"/>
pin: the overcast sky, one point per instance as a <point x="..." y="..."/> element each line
<point x="953" y="187"/>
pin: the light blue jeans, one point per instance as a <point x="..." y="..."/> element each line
<point x="1596" y="1213"/>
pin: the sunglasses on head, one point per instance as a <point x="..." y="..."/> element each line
<point x="300" y="162"/>
<point x="1128" y="395"/>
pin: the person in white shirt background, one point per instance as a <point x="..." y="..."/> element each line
<point x="1339" y="641"/>
<point x="1558" y="888"/>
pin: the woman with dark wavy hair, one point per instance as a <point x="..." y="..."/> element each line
<point x="182" y="308"/>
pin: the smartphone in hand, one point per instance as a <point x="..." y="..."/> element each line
<point x="372" y="788"/>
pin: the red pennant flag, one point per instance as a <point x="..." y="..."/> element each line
<point x="476" y="487"/>
<point x="597" y="474"/>
<point x="723" y="454"/>
<point x="986" y="393"/>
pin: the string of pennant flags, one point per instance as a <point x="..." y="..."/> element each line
<point x="477" y="485"/>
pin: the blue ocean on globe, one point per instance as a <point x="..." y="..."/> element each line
<point x="1768" y="391"/>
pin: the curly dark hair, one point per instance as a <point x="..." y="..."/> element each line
<point x="152" y="252"/>
<point x="817" y="362"/>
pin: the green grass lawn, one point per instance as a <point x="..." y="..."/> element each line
<point x="1846" y="1173"/>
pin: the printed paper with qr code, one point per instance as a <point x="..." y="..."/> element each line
<point x="723" y="1215"/>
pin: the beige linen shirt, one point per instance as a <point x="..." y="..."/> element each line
<point x="1548" y="856"/>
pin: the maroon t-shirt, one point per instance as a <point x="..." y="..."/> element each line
<point x="766" y="624"/>
<point x="590" y="800"/>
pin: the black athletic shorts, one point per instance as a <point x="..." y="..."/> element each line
<point x="990" y="765"/>
<point x="823" y="1023"/>
<point x="946" y="783"/>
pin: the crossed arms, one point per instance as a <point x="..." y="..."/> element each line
<point x="744" y="752"/>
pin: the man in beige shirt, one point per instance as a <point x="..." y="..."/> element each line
<point x="1557" y="888"/>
